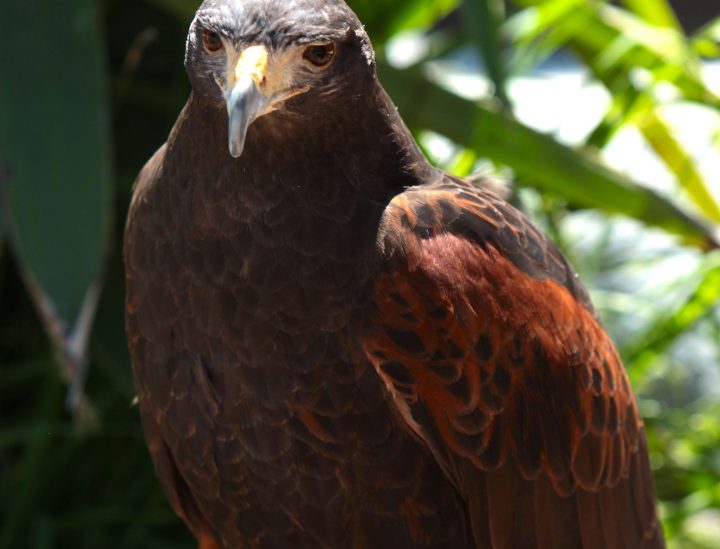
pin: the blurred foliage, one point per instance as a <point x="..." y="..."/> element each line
<point x="70" y="187"/>
<point x="75" y="473"/>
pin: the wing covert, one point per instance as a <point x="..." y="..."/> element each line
<point x="491" y="351"/>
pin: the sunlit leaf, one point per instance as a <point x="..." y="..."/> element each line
<point x="624" y="98"/>
<point x="656" y="12"/>
<point x="706" y="41"/>
<point x="463" y="164"/>
<point x="540" y="18"/>
<point x="537" y="158"/>
<point x="666" y="146"/>
<point x="538" y="31"/>
<point x="643" y="45"/>
<point x="420" y="13"/>
<point x="383" y="18"/>
<point x="665" y="42"/>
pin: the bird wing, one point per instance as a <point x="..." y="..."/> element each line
<point x="493" y="356"/>
<point x="153" y="403"/>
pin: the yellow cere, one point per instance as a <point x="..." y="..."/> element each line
<point x="253" y="62"/>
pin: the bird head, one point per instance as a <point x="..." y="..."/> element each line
<point x="253" y="57"/>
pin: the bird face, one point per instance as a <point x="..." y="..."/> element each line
<point x="251" y="57"/>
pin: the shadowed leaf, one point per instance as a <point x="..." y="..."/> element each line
<point x="55" y="149"/>
<point x="482" y="21"/>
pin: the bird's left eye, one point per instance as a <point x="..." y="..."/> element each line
<point x="212" y="41"/>
<point x="320" y="54"/>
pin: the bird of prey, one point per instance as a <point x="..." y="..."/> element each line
<point x="337" y="345"/>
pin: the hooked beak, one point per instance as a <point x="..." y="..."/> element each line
<point x="244" y="98"/>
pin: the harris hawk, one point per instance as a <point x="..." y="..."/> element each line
<point x="335" y="344"/>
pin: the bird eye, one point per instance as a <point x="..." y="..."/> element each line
<point x="320" y="54"/>
<point x="212" y="41"/>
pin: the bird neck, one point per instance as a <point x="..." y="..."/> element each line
<point x="359" y="143"/>
<point x="301" y="208"/>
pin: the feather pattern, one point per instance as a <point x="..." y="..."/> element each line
<point x="336" y="345"/>
<point x="488" y="344"/>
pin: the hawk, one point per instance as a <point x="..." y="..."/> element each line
<point x="335" y="344"/>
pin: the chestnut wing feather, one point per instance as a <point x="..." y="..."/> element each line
<point x="492" y="353"/>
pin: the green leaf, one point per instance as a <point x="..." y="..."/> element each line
<point x="706" y="41"/>
<point x="666" y="329"/>
<point x="535" y="157"/>
<point x="666" y="146"/>
<point x="482" y="21"/>
<point x="417" y="14"/>
<point x="711" y="31"/>
<point x="538" y="31"/>
<point x="656" y="12"/>
<point x="536" y="20"/>
<point x="54" y="145"/>
<point x="384" y="18"/>
<point x="614" y="42"/>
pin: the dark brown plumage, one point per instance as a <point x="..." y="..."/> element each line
<point x="336" y="345"/>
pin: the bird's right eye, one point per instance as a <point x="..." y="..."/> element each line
<point x="212" y="41"/>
